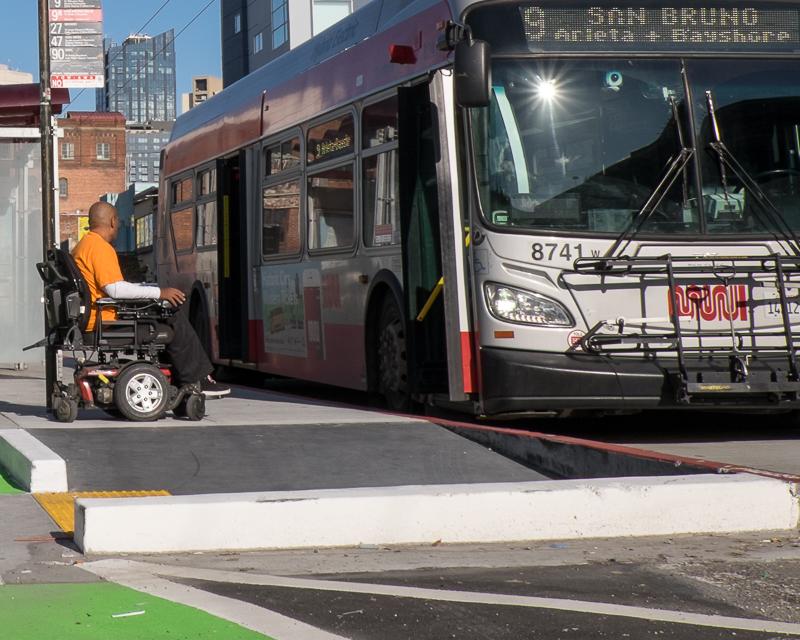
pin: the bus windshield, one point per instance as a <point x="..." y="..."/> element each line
<point x="581" y="145"/>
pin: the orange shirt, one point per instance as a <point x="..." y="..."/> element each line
<point x="99" y="265"/>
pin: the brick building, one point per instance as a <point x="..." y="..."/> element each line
<point x="91" y="162"/>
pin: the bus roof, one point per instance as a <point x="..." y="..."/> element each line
<point x="307" y="80"/>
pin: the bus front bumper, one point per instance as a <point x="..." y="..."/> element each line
<point x="519" y="381"/>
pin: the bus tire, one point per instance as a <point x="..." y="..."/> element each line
<point x="392" y="359"/>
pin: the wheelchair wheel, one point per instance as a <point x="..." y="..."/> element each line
<point x="65" y="409"/>
<point x="195" y="407"/>
<point x="141" y="392"/>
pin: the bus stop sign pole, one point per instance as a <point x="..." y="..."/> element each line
<point x="48" y="194"/>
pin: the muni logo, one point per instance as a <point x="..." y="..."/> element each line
<point x="708" y="302"/>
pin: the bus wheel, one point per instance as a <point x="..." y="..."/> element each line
<point x="392" y="359"/>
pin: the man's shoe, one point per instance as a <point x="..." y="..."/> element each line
<point x="213" y="389"/>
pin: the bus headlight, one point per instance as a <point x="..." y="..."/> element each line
<point x="525" y="307"/>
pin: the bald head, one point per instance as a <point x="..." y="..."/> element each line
<point x="101" y="214"/>
<point x="104" y="220"/>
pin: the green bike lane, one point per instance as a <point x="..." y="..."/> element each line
<point x="98" y="611"/>
<point x="45" y="594"/>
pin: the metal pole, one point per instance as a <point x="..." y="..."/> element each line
<point x="48" y="194"/>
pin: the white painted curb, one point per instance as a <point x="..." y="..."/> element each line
<point x="501" y="512"/>
<point x="37" y="468"/>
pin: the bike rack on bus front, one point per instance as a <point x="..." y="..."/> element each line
<point x="725" y="269"/>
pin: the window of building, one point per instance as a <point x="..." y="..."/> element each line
<point x="330" y="208"/>
<point x="258" y="42"/>
<point x="237" y="23"/>
<point x="280" y="230"/>
<point x="63" y="187"/>
<point x="329" y="12"/>
<point x="144" y="231"/>
<point x="331" y="139"/>
<point x="103" y="151"/>
<point x="67" y="150"/>
<point x="280" y="23"/>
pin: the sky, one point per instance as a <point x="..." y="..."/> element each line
<point x="197" y="49"/>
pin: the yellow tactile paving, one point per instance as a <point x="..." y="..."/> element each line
<point x="61" y="506"/>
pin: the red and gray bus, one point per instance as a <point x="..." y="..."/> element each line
<point x="513" y="207"/>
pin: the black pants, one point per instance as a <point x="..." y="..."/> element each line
<point x="186" y="353"/>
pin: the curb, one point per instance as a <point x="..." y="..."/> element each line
<point x="35" y="467"/>
<point x="500" y="512"/>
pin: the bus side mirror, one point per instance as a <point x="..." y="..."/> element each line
<point x="473" y="73"/>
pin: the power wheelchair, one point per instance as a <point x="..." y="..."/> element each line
<point x="119" y="367"/>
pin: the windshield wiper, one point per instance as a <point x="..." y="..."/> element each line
<point x="726" y="158"/>
<point x="675" y="165"/>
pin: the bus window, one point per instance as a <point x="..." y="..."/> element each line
<point x="207" y="224"/>
<point x="381" y="222"/>
<point x="290" y="154"/>
<point x="331" y="139"/>
<point x="182" y="191"/>
<point x="206" y="234"/>
<point x="379" y="123"/>
<point x="272" y="160"/>
<point x="280" y="230"/>
<point x="206" y="182"/>
<point x="282" y="157"/>
<point x="330" y="208"/>
<point x="182" y="229"/>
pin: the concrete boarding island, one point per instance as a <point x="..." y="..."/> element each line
<point x="269" y="470"/>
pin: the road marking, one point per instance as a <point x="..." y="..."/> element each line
<point x="142" y="577"/>
<point x="469" y="597"/>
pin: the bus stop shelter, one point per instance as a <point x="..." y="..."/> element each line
<point x="21" y="313"/>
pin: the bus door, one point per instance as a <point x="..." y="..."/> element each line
<point x="419" y="223"/>
<point x="232" y="260"/>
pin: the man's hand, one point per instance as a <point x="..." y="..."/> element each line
<point x="175" y="297"/>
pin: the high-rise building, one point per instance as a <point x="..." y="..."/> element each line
<point x="254" y="32"/>
<point x="203" y="87"/>
<point x="140" y="78"/>
<point x="145" y="142"/>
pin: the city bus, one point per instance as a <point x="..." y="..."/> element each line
<point x="514" y="208"/>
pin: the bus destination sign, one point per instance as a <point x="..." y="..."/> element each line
<point x="666" y="28"/>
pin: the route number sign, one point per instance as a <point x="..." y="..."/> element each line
<point x="76" y="43"/>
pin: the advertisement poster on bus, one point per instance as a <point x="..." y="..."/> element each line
<point x="292" y="311"/>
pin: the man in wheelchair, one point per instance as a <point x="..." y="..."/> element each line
<point x="123" y="331"/>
